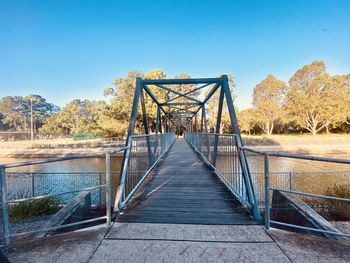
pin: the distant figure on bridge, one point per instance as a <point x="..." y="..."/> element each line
<point x="180" y="131"/>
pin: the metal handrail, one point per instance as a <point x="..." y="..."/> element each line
<point x="297" y="156"/>
<point x="312" y="195"/>
<point x="5" y="202"/>
<point x="268" y="188"/>
<point x="63" y="158"/>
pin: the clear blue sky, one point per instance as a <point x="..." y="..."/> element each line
<point x="73" y="49"/>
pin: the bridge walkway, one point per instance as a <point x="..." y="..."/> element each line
<point x="182" y="189"/>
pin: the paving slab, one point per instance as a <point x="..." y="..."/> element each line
<point x="154" y="251"/>
<point x="303" y="248"/>
<point x="70" y="247"/>
<point x="215" y="233"/>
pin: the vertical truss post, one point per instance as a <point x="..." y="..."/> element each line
<point x="205" y="120"/>
<point x="158" y="120"/>
<point x="146" y="127"/>
<point x="205" y="125"/>
<point x="243" y="160"/>
<point x="202" y="119"/>
<point x="195" y="123"/>
<point x="158" y="127"/>
<point x="218" y="124"/>
<point x="132" y="122"/>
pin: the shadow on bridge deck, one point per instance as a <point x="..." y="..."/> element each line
<point x="182" y="189"/>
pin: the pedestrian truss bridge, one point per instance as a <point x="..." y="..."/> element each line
<point x="181" y="173"/>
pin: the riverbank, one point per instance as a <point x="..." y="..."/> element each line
<point x="303" y="144"/>
<point x="46" y="153"/>
<point x="54" y="147"/>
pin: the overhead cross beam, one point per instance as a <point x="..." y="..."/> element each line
<point x="180" y="81"/>
<point x="189" y="92"/>
<point x="177" y="93"/>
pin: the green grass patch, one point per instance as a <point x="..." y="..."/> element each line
<point x="84" y="136"/>
<point x="34" y="208"/>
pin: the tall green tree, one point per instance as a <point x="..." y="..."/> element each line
<point x="246" y="120"/>
<point x="118" y="112"/>
<point x="304" y="103"/>
<point x="11" y="111"/>
<point x="335" y="101"/>
<point x="77" y="116"/>
<point x="268" y="98"/>
<point x="16" y="111"/>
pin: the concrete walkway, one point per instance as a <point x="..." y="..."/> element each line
<point x="145" y="242"/>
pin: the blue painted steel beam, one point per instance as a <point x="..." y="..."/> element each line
<point x="180" y="81"/>
<point x="182" y="104"/>
<point x="189" y="92"/>
<point x="177" y="93"/>
<point x="154" y="99"/>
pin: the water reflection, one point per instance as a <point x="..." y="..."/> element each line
<point x="91" y="164"/>
<point x="302" y="175"/>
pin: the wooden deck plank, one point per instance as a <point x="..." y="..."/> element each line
<point x="182" y="189"/>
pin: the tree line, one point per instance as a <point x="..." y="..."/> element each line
<point x="16" y="112"/>
<point x="312" y="101"/>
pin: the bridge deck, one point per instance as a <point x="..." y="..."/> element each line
<point x="183" y="189"/>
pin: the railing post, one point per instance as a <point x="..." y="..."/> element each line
<point x="290" y="181"/>
<point x="164" y="143"/>
<point x="108" y="192"/>
<point x="5" y="219"/>
<point x="100" y="189"/>
<point x="267" y="191"/>
<point x="208" y="146"/>
<point x="33" y="184"/>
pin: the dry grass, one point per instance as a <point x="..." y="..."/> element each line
<point x="297" y="139"/>
<point x="50" y="143"/>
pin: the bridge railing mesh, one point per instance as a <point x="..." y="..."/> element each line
<point x="221" y="152"/>
<point x="144" y="151"/>
<point x="31" y="184"/>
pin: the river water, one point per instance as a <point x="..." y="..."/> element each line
<point x="308" y="176"/>
<point x="256" y="164"/>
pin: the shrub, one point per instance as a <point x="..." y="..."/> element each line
<point x="84" y="136"/>
<point x="339" y="208"/>
<point x="34" y="208"/>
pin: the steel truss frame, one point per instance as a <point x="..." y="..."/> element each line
<point x="185" y="113"/>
